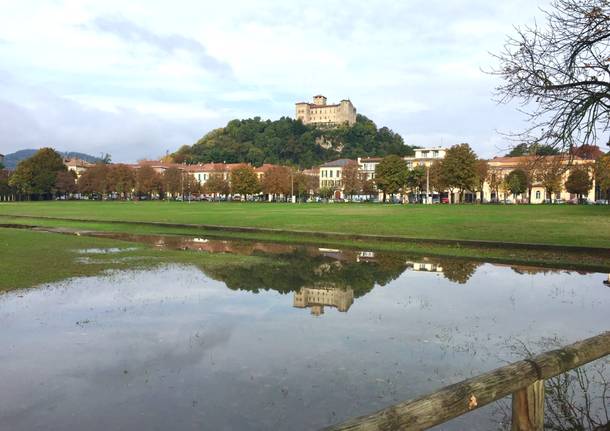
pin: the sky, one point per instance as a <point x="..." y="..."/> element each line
<point x="139" y="78"/>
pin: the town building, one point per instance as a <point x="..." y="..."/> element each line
<point x="319" y="113"/>
<point x="502" y="166"/>
<point x="331" y="174"/>
<point x="1" y="158"/>
<point x="321" y="295"/>
<point x="78" y="166"/>
<point x="425" y="157"/>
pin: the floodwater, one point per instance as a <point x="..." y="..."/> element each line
<point x="327" y="335"/>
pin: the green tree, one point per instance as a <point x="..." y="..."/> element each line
<point x="391" y="175"/>
<point x="290" y="142"/>
<point x="482" y="175"/>
<point x="244" y="181"/>
<point x="459" y="169"/>
<point x="516" y="182"/>
<point x="326" y="192"/>
<point x="36" y="175"/>
<point x="416" y="180"/>
<point x="602" y="174"/>
<point x="579" y="182"/>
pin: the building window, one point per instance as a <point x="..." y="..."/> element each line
<point x="331" y="173"/>
<point x="537" y="194"/>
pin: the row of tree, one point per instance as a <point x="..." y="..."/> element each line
<point x="44" y="176"/>
<point x="461" y="171"/>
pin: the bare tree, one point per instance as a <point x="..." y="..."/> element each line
<point x="561" y="74"/>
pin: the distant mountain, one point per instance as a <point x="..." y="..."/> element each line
<point x="11" y="160"/>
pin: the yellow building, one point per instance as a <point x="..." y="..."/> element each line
<point x="500" y="167"/>
<point x="319" y="113"/>
<point x="78" y="166"/>
<point x="318" y="296"/>
<point x="425" y="157"/>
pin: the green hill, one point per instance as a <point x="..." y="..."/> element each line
<point x="288" y="141"/>
<point x="12" y="160"/>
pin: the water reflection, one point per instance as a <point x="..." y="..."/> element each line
<point x="317" y="297"/>
<point x="191" y="347"/>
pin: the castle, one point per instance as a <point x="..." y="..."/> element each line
<point x="319" y="113"/>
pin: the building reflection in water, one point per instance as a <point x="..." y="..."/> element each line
<point x="321" y="295"/>
<point x="425" y="266"/>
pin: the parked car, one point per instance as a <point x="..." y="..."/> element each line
<point x="444" y="200"/>
<point x="601" y="202"/>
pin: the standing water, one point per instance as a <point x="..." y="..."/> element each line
<point x="325" y="336"/>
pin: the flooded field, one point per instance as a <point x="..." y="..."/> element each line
<point x="327" y="335"/>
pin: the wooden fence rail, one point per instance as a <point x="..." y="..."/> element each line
<point x="523" y="379"/>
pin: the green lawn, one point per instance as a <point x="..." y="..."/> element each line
<point x="560" y="224"/>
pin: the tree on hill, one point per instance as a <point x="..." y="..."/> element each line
<point x="579" y="182"/>
<point x="560" y="70"/>
<point x="391" y="175"/>
<point x="244" y="181"/>
<point x="459" y="169"/>
<point x="36" y="175"/>
<point x="524" y="149"/>
<point x="290" y="142"/>
<point x="586" y="151"/>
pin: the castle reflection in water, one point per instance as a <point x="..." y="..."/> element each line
<point x="319" y="277"/>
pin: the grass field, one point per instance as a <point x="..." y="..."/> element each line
<point x="560" y="224"/>
<point x="33" y="258"/>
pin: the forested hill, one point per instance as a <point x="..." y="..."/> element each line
<point x="288" y="141"/>
<point x="12" y="160"/>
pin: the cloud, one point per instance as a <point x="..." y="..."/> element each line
<point x="170" y="44"/>
<point x="141" y="77"/>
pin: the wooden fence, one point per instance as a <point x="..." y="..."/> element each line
<point x="524" y="380"/>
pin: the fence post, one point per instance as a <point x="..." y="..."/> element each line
<point x="528" y="408"/>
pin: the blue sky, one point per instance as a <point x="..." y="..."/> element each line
<point x="137" y="78"/>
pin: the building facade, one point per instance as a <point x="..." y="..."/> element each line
<point x="78" y="166"/>
<point x="320" y="295"/>
<point x="319" y="113"/>
<point x="502" y="166"/>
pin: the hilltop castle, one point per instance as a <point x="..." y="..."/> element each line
<point x="319" y="113"/>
